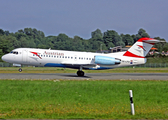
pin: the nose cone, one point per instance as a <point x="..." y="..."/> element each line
<point x="5" y="58"/>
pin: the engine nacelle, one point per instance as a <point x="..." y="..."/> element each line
<point x="104" y="60"/>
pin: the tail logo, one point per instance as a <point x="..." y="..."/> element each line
<point x="141" y="47"/>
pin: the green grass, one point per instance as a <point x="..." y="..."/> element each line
<point x="67" y="70"/>
<point x="83" y="99"/>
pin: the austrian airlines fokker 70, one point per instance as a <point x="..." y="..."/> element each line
<point x="81" y="60"/>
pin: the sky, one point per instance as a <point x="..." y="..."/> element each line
<point x="81" y="17"/>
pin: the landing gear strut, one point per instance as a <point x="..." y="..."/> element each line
<point x="20" y="69"/>
<point x="80" y="73"/>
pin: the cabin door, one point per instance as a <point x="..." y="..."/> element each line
<point x="24" y="55"/>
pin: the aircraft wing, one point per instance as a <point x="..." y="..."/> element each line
<point x="75" y="64"/>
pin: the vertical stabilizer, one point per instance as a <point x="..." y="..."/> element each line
<point x="141" y="48"/>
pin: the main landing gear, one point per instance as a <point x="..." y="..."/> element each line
<point x="80" y="72"/>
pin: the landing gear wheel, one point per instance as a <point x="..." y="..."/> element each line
<point x="80" y="73"/>
<point x="20" y="69"/>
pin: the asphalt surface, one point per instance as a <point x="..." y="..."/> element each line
<point x="92" y="76"/>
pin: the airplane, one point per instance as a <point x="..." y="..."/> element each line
<point x="135" y="55"/>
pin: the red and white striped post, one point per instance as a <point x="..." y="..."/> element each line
<point x="131" y="102"/>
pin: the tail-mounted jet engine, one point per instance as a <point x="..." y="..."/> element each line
<point x="104" y="60"/>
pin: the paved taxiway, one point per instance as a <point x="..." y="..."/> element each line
<point x="94" y="76"/>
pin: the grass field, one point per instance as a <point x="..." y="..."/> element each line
<point x="83" y="99"/>
<point x="67" y="70"/>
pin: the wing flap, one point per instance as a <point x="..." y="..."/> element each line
<point x="76" y="64"/>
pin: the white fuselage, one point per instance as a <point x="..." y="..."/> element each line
<point x="70" y="59"/>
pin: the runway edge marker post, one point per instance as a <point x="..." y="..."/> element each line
<point x="131" y="102"/>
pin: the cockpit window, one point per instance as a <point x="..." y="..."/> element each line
<point x="14" y="52"/>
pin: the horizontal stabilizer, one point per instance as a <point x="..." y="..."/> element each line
<point x="151" y="41"/>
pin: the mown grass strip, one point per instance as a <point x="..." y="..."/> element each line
<point x="83" y="99"/>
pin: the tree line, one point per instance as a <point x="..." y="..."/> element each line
<point x="33" y="38"/>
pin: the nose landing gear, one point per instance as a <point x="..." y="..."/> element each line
<point x="20" y="70"/>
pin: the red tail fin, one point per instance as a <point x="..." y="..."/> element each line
<point x="141" y="48"/>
